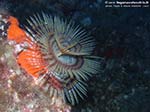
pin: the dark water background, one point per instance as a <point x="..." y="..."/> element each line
<point x="123" y="40"/>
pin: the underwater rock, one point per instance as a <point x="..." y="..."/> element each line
<point x="18" y="92"/>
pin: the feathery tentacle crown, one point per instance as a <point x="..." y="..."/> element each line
<point x="62" y="59"/>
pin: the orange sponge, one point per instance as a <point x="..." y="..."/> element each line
<point x="14" y="32"/>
